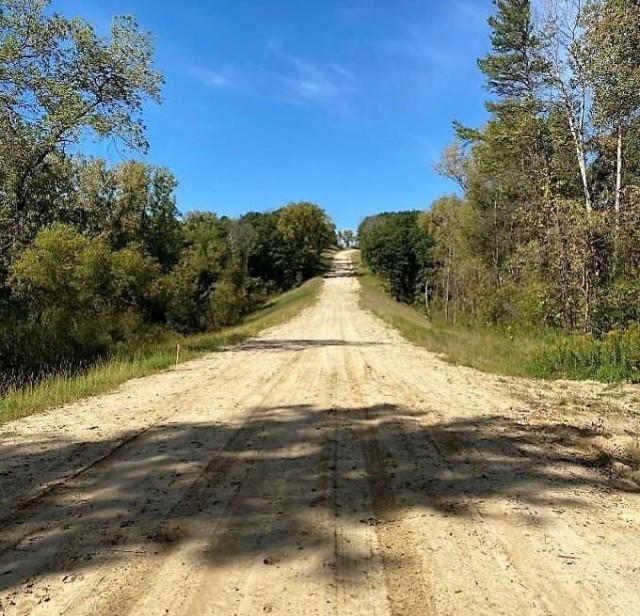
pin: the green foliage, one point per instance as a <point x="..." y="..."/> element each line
<point x="308" y="231"/>
<point x="61" y="81"/>
<point x="522" y="247"/>
<point x="618" y="307"/>
<point x="515" y="66"/>
<point x="613" y="357"/>
<point x="148" y="357"/>
<point x="76" y="297"/>
<point x="612" y="60"/>
<point x="225" y="305"/>
<point x="395" y="246"/>
<point x="459" y="279"/>
<point x="96" y="259"/>
<point x="529" y="351"/>
<point x="79" y="297"/>
<point x="500" y="350"/>
<point x="346" y="239"/>
<point x="546" y="233"/>
<point x="270" y="258"/>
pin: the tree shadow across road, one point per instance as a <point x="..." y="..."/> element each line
<point x="265" y="344"/>
<point x="277" y="485"/>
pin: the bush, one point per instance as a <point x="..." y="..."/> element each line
<point x="81" y="299"/>
<point x="613" y="357"/>
<point x="617" y="306"/>
<point x="225" y="306"/>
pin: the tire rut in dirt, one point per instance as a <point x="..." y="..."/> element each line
<point x="404" y="575"/>
<point x="402" y="564"/>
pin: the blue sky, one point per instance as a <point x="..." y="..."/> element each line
<point x="346" y="103"/>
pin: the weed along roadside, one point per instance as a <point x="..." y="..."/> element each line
<point x="511" y="351"/>
<point x="483" y="348"/>
<point x="61" y="389"/>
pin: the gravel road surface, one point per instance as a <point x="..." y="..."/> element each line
<point x="325" y="467"/>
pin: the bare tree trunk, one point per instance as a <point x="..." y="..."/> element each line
<point x="562" y="30"/>
<point x="496" y="248"/>
<point x="447" y="285"/>
<point x="580" y="155"/>
<point x="618" y="172"/>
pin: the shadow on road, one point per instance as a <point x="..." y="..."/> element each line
<point x="300" y="345"/>
<point x="277" y="484"/>
<point x="342" y="273"/>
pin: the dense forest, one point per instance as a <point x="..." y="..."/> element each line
<point x="94" y="256"/>
<point x="546" y="228"/>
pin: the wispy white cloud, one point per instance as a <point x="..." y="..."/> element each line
<point x="223" y="78"/>
<point x="440" y="41"/>
<point x="305" y="82"/>
<point x="285" y="77"/>
<point x="416" y="41"/>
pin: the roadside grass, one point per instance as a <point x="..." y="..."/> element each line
<point x="611" y="358"/>
<point x="63" y="388"/>
<point x="500" y="351"/>
<point x="537" y="353"/>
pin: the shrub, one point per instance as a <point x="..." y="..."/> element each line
<point x="612" y="357"/>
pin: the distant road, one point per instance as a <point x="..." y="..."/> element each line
<point x="326" y="467"/>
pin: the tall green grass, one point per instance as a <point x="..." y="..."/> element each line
<point x="63" y="388"/>
<point x="511" y="351"/>
<point x="501" y="351"/>
<point x="613" y="357"/>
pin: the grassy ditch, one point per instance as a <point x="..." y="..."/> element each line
<point x="611" y="358"/>
<point x="62" y="388"/>
<point x="486" y="349"/>
<point x="540" y="353"/>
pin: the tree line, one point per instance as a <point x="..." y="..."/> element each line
<point x="546" y="229"/>
<point x="96" y="258"/>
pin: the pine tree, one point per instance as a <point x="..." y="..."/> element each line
<point x="515" y="67"/>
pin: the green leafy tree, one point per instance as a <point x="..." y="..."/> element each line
<point x="59" y="78"/>
<point x="515" y="71"/>
<point x="80" y="296"/>
<point x="309" y="231"/>
<point x="515" y="66"/>
<point x="189" y="285"/>
<point x="161" y="230"/>
<point x="610" y="53"/>
<point x="270" y="257"/>
<point x="397" y="247"/>
<point x="58" y="81"/>
<point x="94" y="258"/>
<point x="346" y="238"/>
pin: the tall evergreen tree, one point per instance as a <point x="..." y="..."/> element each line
<point x="515" y="67"/>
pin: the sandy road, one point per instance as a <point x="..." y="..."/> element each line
<point x="326" y="467"/>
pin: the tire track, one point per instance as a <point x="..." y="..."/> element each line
<point x="518" y="553"/>
<point x="407" y="591"/>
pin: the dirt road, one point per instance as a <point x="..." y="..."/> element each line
<point x="326" y="467"/>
